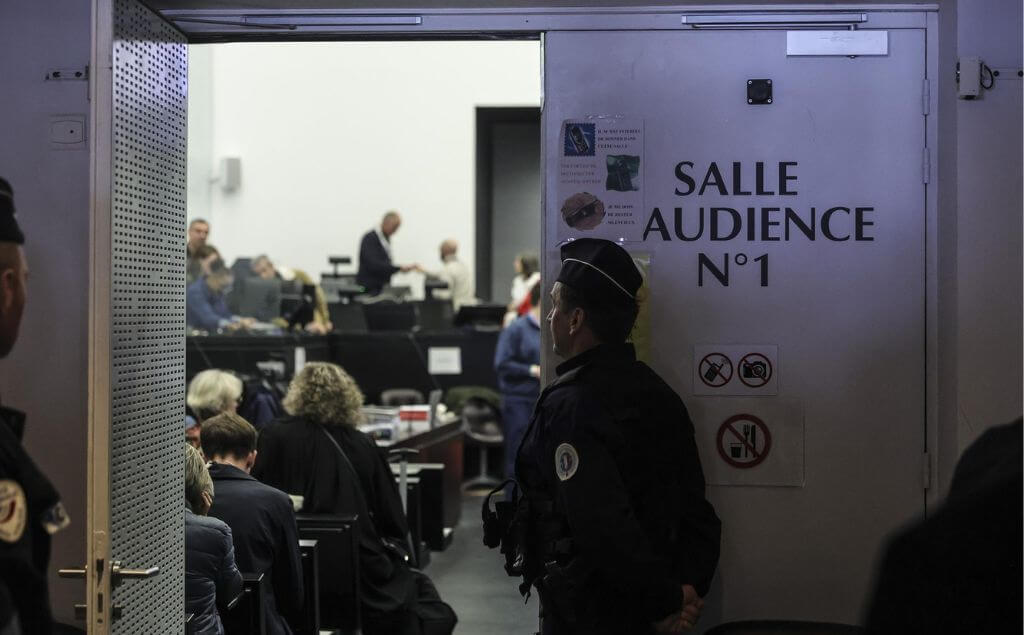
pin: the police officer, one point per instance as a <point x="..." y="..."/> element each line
<point x="30" y="508"/>
<point x="613" y="529"/>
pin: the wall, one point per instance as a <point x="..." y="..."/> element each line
<point x="331" y="135"/>
<point x="989" y="203"/>
<point x="45" y="375"/>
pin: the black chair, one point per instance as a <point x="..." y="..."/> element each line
<point x="337" y="539"/>
<point x="308" y="623"/>
<point x="243" y="615"/>
<point x="347" y="316"/>
<point x="783" y="627"/>
<point x="430" y="477"/>
<point x="482" y="426"/>
<point x="401" y="397"/>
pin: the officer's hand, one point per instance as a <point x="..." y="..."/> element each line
<point x="674" y="623"/>
<point x="692" y="605"/>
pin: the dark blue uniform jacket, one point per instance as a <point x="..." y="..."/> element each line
<point x="27" y="502"/>
<point x="633" y="502"/>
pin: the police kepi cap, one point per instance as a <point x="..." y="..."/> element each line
<point x="9" y="230"/>
<point x="600" y="270"/>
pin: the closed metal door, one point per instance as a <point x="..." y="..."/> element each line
<point x="135" y="567"/>
<point x="843" y="303"/>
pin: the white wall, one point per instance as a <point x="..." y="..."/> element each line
<point x="989" y="242"/>
<point x="46" y="373"/>
<point x="331" y="135"/>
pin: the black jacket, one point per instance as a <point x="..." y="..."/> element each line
<point x="211" y="577"/>
<point x="266" y="540"/>
<point x="627" y="499"/>
<point x="295" y="457"/>
<point x="959" y="571"/>
<point x="375" y="268"/>
<point x="29" y="504"/>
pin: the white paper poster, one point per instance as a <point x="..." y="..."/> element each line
<point x="745" y="441"/>
<point x="444" y="360"/>
<point x="600" y="180"/>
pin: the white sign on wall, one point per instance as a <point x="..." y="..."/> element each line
<point x="746" y="441"/>
<point x="736" y="369"/>
<point x="600" y="178"/>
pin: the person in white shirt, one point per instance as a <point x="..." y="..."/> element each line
<point x="456" y="275"/>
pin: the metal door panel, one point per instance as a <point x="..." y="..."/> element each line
<point x="848" y="317"/>
<point x="137" y="354"/>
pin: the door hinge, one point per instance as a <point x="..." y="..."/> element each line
<point x="926" y="165"/>
<point x="926" y="97"/>
<point x="926" y="471"/>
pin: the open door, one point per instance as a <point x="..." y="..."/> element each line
<point x="780" y="201"/>
<point x="135" y="545"/>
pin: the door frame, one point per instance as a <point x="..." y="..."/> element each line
<point x="940" y="450"/>
<point x="487" y="117"/>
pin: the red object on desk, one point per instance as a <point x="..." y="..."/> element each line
<point x="414" y="413"/>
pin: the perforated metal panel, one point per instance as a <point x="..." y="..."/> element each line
<point x="148" y="317"/>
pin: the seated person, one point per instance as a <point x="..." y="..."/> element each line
<point x="318" y="453"/>
<point x="192" y="431"/>
<point x="211" y="577"/>
<point x="198" y="232"/>
<point x="205" y="304"/>
<point x="264" y="268"/>
<point x="199" y="262"/>
<point x="212" y="392"/>
<point x="261" y="518"/>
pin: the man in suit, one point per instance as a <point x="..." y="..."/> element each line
<point x="375" y="264"/>
<point x="261" y="518"/>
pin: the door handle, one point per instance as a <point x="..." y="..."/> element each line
<point x="118" y="572"/>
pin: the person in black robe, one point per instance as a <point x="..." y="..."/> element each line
<point x="318" y="453"/>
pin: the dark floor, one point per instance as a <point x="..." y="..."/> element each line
<point x="470" y="577"/>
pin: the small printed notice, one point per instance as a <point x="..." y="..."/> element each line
<point x="444" y="360"/>
<point x="730" y="369"/>
<point x="753" y="442"/>
<point x="600" y="178"/>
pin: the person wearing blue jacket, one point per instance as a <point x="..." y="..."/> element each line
<point x="517" y="362"/>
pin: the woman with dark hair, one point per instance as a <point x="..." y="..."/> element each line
<point x="318" y="453"/>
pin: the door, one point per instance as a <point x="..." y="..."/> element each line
<point x="136" y="547"/>
<point x="837" y="309"/>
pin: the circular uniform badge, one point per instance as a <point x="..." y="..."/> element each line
<point x="566" y="461"/>
<point x="13" y="510"/>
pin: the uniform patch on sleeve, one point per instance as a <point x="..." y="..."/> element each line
<point x="566" y="461"/>
<point x="13" y="510"/>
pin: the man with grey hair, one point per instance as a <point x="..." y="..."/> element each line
<point x="456" y="275"/>
<point x="30" y="507"/>
<point x="211" y="577"/>
<point x="375" y="263"/>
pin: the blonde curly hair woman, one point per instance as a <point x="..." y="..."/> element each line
<point x="325" y="394"/>
<point x="317" y="452"/>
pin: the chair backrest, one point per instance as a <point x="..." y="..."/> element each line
<point x="337" y="539"/>
<point x="783" y="627"/>
<point x="244" y="614"/>
<point x="347" y="316"/>
<point x="310" y="619"/>
<point x="401" y="397"/>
